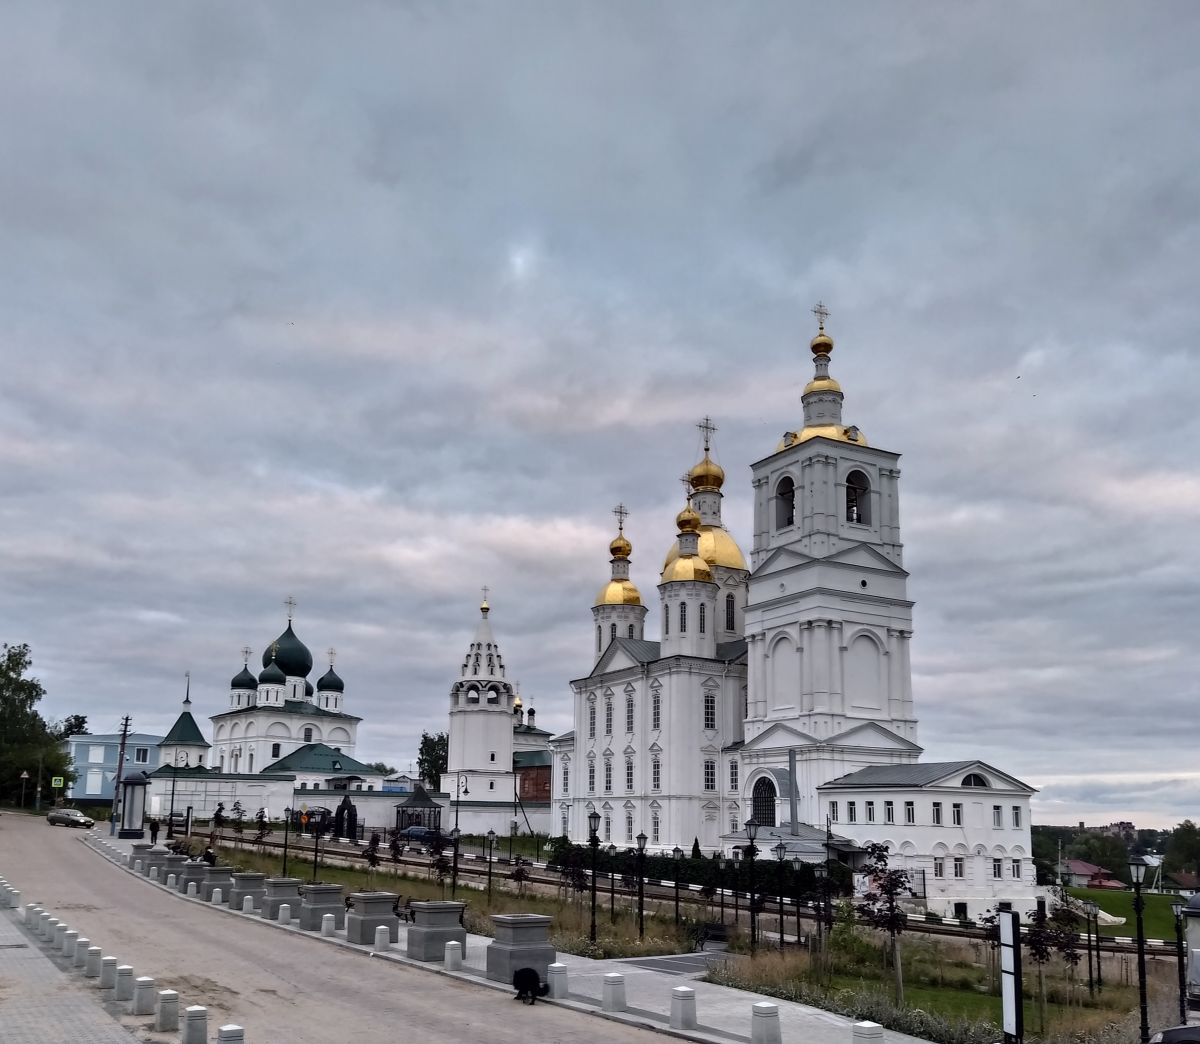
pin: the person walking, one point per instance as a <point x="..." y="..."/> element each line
<point x="154" y="831"/>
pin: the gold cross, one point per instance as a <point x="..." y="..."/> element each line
<point x="290" y="604"/>
<point x="708" y="427"/>
<point x="622" y="513"/>
<point x="822" y="313"/>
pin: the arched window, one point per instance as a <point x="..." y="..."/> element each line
<point x="629" y="716"/>
<point x="683" y="617"/>
<point x="599" y="632"/>
<point x="785" y="503"/>
<point x="608" y="717"/>
<point x="974" y="779"/>
<point x="628" y="826"/>
<point x="763" y="802"/>
<point x="702" y="614"/>
<point x="607" y="826"/>
<point x="612" y="632"/>
<point x="730" y="613"/>
<point x="631" y="630"/>
<point x="858" y="498"/>
<point x="666" y="620"/>
<point x="591" y="721"/>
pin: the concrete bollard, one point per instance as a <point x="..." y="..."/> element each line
<point x="454" y="955"/>
<point x="43" y="929"/>
<point x="67" y="945"/>
<point x="80" y="956"/>
<point x="171" y="881"/>
<point x="108" y="973"/>
<point x="867" y="1033"/>
<point x="328" y="925"/>
<point x="614" y="992"/>
<point x="154" y="873"/>
<point x="195" y="1025"/>
<point x="144" y="996"/>
<point x="166" y="1012"/>
<point x="124" y="985"/>
<point x="285" y="914"/>
<point x="217" y="898"/>
<point x="683" y="1008"/>
<point x="248" y="904"/>
<point x="91" y="967"/>
<point x="231" y="1035"/>
<point x="556" y="975"/>
<point x="60" y="933"/>
<point x="383" y="939"/>
<point x="137" y="866"/>
<point x="29" y="913"/>
<point x="193" y="890"/>
<point x="764" y="1024"/>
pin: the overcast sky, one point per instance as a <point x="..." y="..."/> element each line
<point x="374" y="304"/>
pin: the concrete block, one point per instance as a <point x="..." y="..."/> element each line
<point x="216" y="877"/>
<point x="328" y="925"/>
<point x="613" y="998"/>
<point x="166" y="1012"/>
<point x="43" y="928"/>
<point x="124" y="986"/>
<point x="867" y="1033"/>
<point x="154" y="873"/>
<point x="29" y="914"/>
<point x="231" y="1034"/>
<point x="434" y="925"/>
<point x="193" y="889"/>
<point x="144" y="996"/>
<point x="67" y="946"/>
<point x="284" y="916"/>
<point x="764" y="1024"/>
<point x="556" y="975"/>
<point x="216" y="898"/>
<point x="521" y="941"/>
<point x="91" y="967"/>
<point x="383" y="939"/>
<point x="80" y="956"/>
<point x="317" y="901"/>
<point x="683" y="1008"/>
<point x="370" y="912"/>
<point x="171" y="881"/>
<point x="247" y="884"/>
<point x="108" y="973"/>
<point x="190" y="873"/>
<point x="137" y="866"/>
<point x="280" y="890"/>
<point x="248" y="904"/>
<point x="195" y="1025"/>
<point x="454" y="956"/>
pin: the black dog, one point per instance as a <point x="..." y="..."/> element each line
<point x="529" y="985"/>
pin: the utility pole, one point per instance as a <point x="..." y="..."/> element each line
<point x="116" y="804"/>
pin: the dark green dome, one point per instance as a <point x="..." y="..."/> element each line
<point x="330" y="682"/>
<point x="290" y="653"/>
<point x="273" y="675"/>
<point x="243" y="680"/>
<point x="308" y="689"/>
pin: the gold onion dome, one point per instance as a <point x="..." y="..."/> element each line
<point x="822" y="384"/>
<point x="688" y="520"/>
<point x="708" y="474"/>
<point x="619" y="592"/>
<point x="717" y="548"/>
<point x="822" y="344"/>
<point x="517" y="704"/>
<point x="687" y="567"/>
<point x="620" y="547"/>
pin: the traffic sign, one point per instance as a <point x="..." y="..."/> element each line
<point x="56" y="782"/>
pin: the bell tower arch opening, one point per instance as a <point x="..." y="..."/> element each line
<point x="762" y="802"/>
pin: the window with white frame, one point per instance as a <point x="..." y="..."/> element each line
<point x="96" y="754"/>
<point x="997" y="816"/>
<point x="565" y="825"/>
<point x="910" y="812"/>
<point x="655" y="774"/>
<point x="629" y="773"/>
<point x="870" y="811"/>
<point x="939" y="867"/>
<point x="656" y="710"/>
<point x="956" y="815"/>
<point x="960" y="867"/>
<point x="608" y="717"/>
<point x="710" y="774"/>
<point x="851" y="812"/>
<point x="701" y="614"/>
<point x="566" y="777"/>
<point x="628" y="713"/>
<point x="1016" y="816"/>
<point x="591" y="777"/>
<point x="607" y="827"/>
<point x="729" y="612"/>
<point x="1016" y="869"/>
<point x="683" y="617"/>
<point x="275" y="749"/>
<point x="733" y="822"/>
<point x="733" y="774"/>
<point x="628" y="826"/>
<point x="710" y="710"/>
<point x="937" y="813"/>
<point x="95" y="781"/>
<point x="997" y="868"/>
<point x="141" y="755"/>
<point x="591" y="721"/>
<point x="654" y="829"/>
<point x="833" y="811"/>
<point x="608" y="775"/>
<point x="889" y="812"/>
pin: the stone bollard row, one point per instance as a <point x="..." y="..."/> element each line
<point x="217" y="898"/>
<point x="124" y="983"/>
<point x="195" y="1025"/>
<point x="683" y="1008"/>
<point x="556" y="976"/>
<point x="247" y="904"/>
<point x="91" y="967"/>
<point x="170" y="881"/>
<point x="454" y="954"/>
<point x="328" y="925"/>
<point x="613" y="998"/>
<point x="231" y="1035"/>
<point x="144" y="996"/>
<point x="81" y="949"/>
<point x="67" y="947"/>
<point x="108" y="973"/>
<point x="285" y="914"/>
<point x="383" y="939"/>
<point x="166" y="1012"/>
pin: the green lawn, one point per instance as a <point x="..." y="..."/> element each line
<point x="1159" y="920"/>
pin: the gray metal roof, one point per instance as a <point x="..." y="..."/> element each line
<point x="915" y="775"/>
<point x="734" y="650"/>
<point x="642" y="651"/>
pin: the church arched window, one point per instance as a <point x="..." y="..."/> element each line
<point x="629" y="715"/>
<point x="974" y="779"/>
<point x="858" y="498"/>
<point x="785" y="503"/>
<point x="631" y="630"/>
<point x="591" y="721"/>
<point x="683" y="617"/>
<point x="608" y="717"/>
<point x="730" y="612"/>
<point x="666" y="620"/>
<point x="612" y="632"/>
<point x="599" y="632"/>
<point x="763" y="802"/>
<point x="491" y="664"/>
<point x="701" y="618"/>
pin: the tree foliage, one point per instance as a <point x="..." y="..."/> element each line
<point x="1183" y="848"/>
<point x="880" y="905"/>
<point x="433" y="756"/>
<point x="262" y="828"/>
<point x="26" y="738"/>
<point x="382" y="767"/>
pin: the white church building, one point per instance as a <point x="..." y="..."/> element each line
<point x="781" y="690"/>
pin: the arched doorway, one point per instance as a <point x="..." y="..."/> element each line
<point x="763" y="802"/>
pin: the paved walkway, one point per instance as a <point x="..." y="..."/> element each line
<point x="723" y="1013"/>
<point x="41" y="1003"/>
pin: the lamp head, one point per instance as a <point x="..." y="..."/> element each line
<point x="780" y="851"/>
<point x="612" y="850"/>
<point x="677" y="852"/>
<point x="1177" y="909"/>
<point x="820" y="870"/>
<point x="491" y="836"/>
<point x="593" y="822"/>
<point x="752" y="829"/>
<point x="641" y="842"/>
<point x="1137" y="869"/>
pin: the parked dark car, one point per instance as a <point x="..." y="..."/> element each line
<point x="1177" y="1035"/>
<point x="71" y="817"/>
<point x="419" y="835"/>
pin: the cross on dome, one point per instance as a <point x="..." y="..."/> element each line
<point x="332" y="652"/>
<point x="708" y="428"/>
<point x="822" y="313"/>
<point x="247" y="652"/>
<point x="622" y="513"/>
<point x="289" y="603"/>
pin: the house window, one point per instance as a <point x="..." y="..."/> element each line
<point x="275" y="748"/>
<point x="628" y="713"/>
<point x="858" y="498"/>
<point x="870" y="811"/>
<point x="702" y="614"/>
<point x="762" y="802"/>
<point x="785" y="503"/>
<point x="910" y="812"/>
<point x="1016" y="811"/>
<point x="939" y="867"/>
<point x="1016" y="869"/>
<point x="141" y="755"/>
<point x="608" y="775"/>
<point x="656" y="710"/>
<point x="683" y="617"/>
<point x="937" y="813"/>
<point x="733" y="822"/>
<point x="997" y="868"/>
<point x="710" y="710"/>
<point x="655" y="774"/>
<point x="95" y="781"/>
<point x="851" y="812"/>
<point x="710" y="775"/>
<point x="96" y="754"/>
<point x="566" y="777"/>
<point x="308" y="734"/>
<point x="654" y="831"/>
<point x="956" y="814"/>
<point x="959" y="867"/>
<point x="729" y="612"/>
<point x="733" y="775"/>
<point x="628" y="826"/>
<point x="607" y="827"/>
<point x="591" y="777"/>
<point x="889" y="812"/>
<point x="591" y="721"/>
<point x="608" y="717"/>
<point x="974" y="779"/>
<point x="491" y="755"/>
<point x="833" y="811"/>
<point x="997" y="816"/>
<point x="629" y="773"/>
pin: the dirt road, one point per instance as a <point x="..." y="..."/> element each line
<point x="284" y="988"/>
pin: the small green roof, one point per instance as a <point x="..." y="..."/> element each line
<point x="320" y="757"/>
<point x="184" y="733"/>
<point x="530" y="758"/>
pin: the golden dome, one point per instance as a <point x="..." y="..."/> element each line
<point x="620" y="547"/>
<point x="822" y="344"/>
<point x="717" y="548"/>
<point x="619" y="592"/>
<point x="687" y="520"/>
<point x="822" y="384"/>
<point x="517" y="704"/>
<point x="836" y="432"/>
<point x="708" y="474"/>
<point x="686" y="567"/>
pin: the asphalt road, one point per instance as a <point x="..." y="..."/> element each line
<point x="283" y="989"/>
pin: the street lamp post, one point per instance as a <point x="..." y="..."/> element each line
<point x="677" y="855"/>
<point x="174" y="776"/>
<point x="594" y="842"/>
<point x="780" y="851"/>
<point x="819" y="872"/>
<point x="735" y="864"/>
<point x="1137" y="872"/>
<point x="1095" y="909"/>
<point x="460" y="790"/>
<point x="24" y="777"/>
<point x="1087" y="917"/>
<point x="491" y="847"/>
<point x="455" y="834"/>
<point x="751" y="852"/>
<point x="612" y="884"/>
<point x="287" y="822"/>
<point x="512" y="834"/>
<point x="1180" y="962"/>
<point x="641" y="875"/>
<point x="722" y="866"/>
<point x="316" y="847"/>
<point x="797" y="862"/>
